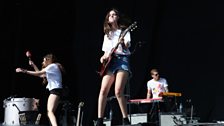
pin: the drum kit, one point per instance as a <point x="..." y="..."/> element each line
<point x="21" y="111"/>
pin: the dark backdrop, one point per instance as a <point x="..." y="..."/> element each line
<point x="181" y="38"/>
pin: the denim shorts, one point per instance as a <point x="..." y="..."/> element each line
<point x="119" y="62"/>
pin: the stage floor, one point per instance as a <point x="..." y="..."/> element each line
<point x="23" y="125"/>
<point x="141" y="124"/>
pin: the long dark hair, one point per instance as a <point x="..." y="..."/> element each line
<point x="123" y="21"/>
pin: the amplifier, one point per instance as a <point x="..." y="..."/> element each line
<point x="171" y="119"/>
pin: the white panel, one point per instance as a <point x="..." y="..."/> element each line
<point x="138" y="118"/>
<point x="171" y="119"/>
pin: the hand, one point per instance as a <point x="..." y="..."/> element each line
<point x="121" y="40"/>
<point x="160" y="94"/>
<point x="19" y="70"/>
<point x="103" y="59"/>
<point x="31" y="63"/>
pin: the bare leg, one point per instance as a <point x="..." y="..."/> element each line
<point x="107" y="81"/>
<point x="121" y="79"/>
<point x="52" y="104"/>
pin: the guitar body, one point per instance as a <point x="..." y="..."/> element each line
<point x="105" y="65"/>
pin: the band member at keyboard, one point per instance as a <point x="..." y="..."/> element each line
<point x="156" y="85"/>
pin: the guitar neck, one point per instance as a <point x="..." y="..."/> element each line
<point x="79" y="113"/>
<point x="78" y="117"/>
<point x="122" y="35"/>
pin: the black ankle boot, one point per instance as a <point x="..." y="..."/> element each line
<point x="126" y="121"/>
<point x="99" y="122"/>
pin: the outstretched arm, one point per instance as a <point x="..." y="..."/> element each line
<point x="34" y="73"/>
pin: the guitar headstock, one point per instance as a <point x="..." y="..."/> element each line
<point x="81" y="104"/>
<point x="130" y="28"/>
<point x="133" y="26"/>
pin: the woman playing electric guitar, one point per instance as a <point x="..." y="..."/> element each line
<point x="116" y="51"/>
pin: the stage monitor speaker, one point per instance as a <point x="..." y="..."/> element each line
<point x="172" y="119"/>
<point x="138" y="118"/>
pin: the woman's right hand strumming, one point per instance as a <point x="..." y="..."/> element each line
<point x="103" y="59"/>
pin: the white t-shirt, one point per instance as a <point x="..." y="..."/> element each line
<point x="157" y="87"/>
<point x="108" y="44"/>
<point x="54" y="76"/>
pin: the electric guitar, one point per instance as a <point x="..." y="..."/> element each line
<point x="81" y="104"/>
<point x="105" y="64"/>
